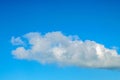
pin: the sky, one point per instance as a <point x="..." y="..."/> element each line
<point x="25" y="25"/>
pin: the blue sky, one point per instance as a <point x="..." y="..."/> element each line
<point x="90" y="20"/>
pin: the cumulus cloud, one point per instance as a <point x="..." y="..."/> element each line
<point x="57" y="48"/>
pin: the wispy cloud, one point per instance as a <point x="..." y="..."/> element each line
<point x="16" y="41"/>
<point x="55" y="47"/>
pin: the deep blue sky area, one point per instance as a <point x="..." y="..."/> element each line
<point x="97" y="20"/>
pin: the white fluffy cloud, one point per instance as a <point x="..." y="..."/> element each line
<point x="54" y="47"/>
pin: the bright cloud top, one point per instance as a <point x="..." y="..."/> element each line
<point x="56" y="48"/>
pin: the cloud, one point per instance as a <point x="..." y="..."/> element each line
<point x="57" y="48"/>
<point x="16" y="41"/>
